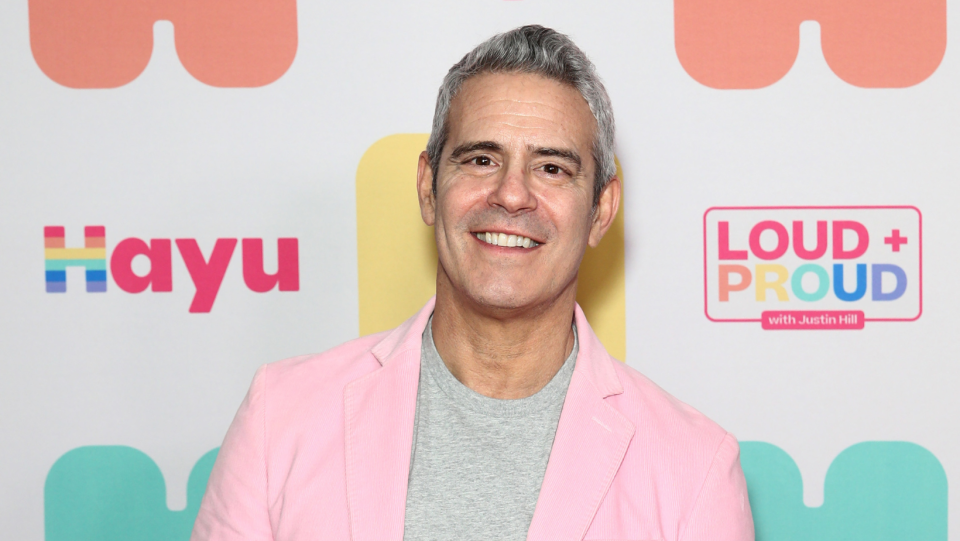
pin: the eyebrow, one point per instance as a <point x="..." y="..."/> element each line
<point x="560" y="153"/>
<point x="475" y="146"/>
<point x="493" y="146"/>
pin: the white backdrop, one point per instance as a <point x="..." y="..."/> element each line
<point x="169" y="157"/>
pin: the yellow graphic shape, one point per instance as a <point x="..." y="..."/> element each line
<point x="397" y="253"/>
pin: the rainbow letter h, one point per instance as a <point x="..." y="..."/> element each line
<point x="92" y="257"/>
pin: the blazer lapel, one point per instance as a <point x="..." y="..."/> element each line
<point x="592" y="438"/>
<point x="379" y="411"/>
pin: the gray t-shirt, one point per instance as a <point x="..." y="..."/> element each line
<point x="477" y="462"/>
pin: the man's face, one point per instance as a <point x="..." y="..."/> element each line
<point x="517" y="169"/>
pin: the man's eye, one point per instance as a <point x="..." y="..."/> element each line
<point x="482" y="161"/>
<point x="552" y="169"/>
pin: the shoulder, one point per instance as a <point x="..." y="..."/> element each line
<point x="664" y="422"/>
<point x="679" y="463"/>
<point x="693" y="461"/>
<point x="294" y="380"/>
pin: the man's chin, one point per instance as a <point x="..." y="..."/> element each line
<point x="502" y="296"/>
<point x="499" y="300"/>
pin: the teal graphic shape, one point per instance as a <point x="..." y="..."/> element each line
<point x="873" y="491"/>
<point x="117" y="493"/>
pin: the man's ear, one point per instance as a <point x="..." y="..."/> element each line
<point x="428" y="201"/>
<point x="605" y="212"/>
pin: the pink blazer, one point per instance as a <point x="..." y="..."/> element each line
<point x="320" y="449"/>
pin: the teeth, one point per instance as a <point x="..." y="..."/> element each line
<point x="509" y="241"/>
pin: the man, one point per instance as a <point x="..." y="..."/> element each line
<point x="493" y="413"/>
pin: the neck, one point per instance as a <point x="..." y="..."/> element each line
<point x="503" y="353"/>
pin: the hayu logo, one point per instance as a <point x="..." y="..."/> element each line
<point x="106" y="43"/>
<point x="92" y="257"/>
<point x="867" y="43"/>
<point x="206" y="273"/>
<point x="812" y="267"/>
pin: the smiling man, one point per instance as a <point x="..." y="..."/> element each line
<point x="495" y="412"/>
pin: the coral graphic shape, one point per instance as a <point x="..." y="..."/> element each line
<point x="754" y="43"/>
<point x="108" y="43"/>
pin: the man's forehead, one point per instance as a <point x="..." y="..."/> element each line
<point x="502" y="103"/>
<point x="520" y="90"/>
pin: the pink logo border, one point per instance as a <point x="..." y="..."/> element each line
<point x="815" y="207"/>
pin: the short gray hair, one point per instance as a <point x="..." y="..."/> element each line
<point x="541" y="51"/>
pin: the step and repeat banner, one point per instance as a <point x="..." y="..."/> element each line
<point x="189" y="190"/>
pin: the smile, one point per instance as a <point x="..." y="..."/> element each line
<point x="510" y="241"/>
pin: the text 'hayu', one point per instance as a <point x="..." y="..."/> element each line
<point x="206" y="273"/>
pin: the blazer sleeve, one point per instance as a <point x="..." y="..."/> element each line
<point x="722" y="509"/>
<point x="235" y="505"/>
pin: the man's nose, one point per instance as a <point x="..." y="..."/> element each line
<point x="513" y="191"/>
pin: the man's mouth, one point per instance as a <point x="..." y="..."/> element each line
<point x="510" y="241"/>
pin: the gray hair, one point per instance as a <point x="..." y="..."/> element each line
<point x="541" y="51"/>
